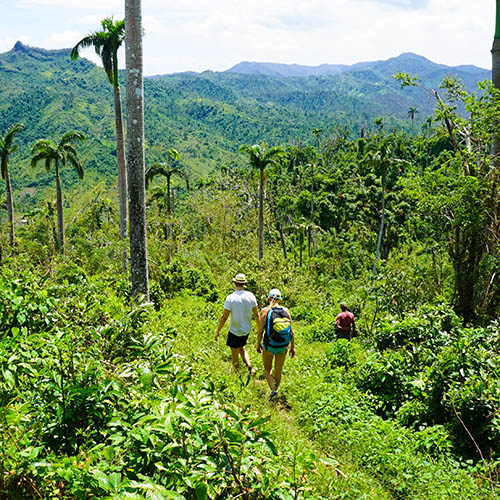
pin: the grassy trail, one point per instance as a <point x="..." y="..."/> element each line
<point x="324" y="464"/>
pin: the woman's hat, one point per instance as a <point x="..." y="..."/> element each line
<point x="275" y="294"/>
<point x="240" y="279"/>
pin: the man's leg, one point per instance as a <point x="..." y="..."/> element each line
<point x="235" y="357"/>
<point x="267" y="358"/>
<point x="246" y="358"/>
<point x="279" y="361"/>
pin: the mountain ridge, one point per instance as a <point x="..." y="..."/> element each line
<point x="297" y="70"/>
<point x="205" y="116"/>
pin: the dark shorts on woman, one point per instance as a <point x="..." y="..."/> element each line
<point x="236" y="341"/>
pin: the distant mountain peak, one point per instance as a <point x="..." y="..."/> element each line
<point x="407" y="61"/>
<point x="19" y="47"/>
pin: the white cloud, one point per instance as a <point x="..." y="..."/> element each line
<point x="216" y="34"/>
<point x="62" y="39"/>
<point x="75" y="6"/>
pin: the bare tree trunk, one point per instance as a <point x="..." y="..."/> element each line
<point x="312" y="205"/>
<point x="261" y="215"/>
<point x="283" y="244"/>
<point x="495" y="78"/>
<point x="59" y="209"/>
<point x="169" y="209"/>
<point x="10" y="208"/>
<point x="379" y="238"/>
<point x="312" y="191"/>
<point x="135" y="148"/>
<point x="122" y="170"/>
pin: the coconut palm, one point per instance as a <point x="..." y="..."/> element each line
<point x="381" y="158"/>
<point x="379" y="123"/>
<point x="495" y="52"/>
<point x="317" y="134"/>
<point x="412" y="111"/>
<point x="260" y="157"/>
<point x="167" y="169"/>
<point x="7" y="147"/>
<point x="106" y="44"/>
<point x="57" y="155"/>
<point x="303" y="229"/>
<point x="135" y="149"/>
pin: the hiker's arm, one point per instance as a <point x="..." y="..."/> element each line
<point x="255" y="312"/>
<point x="292" y="341"/>
<point x="353" y="326"/>
<point x="262" y="324"/>
<point x="222" y="320"/>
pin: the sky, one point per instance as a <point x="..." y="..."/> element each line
<point x="199" y="35"/>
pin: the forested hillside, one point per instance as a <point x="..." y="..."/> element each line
<point x="204" y="116"/>
<point x="361" y="188"/>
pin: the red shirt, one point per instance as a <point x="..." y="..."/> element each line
<point x="344" y="320"/>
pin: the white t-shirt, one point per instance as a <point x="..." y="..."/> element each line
<point x="240" y="303"/>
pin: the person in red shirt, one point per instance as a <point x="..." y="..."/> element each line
<point x="346" y="326"/>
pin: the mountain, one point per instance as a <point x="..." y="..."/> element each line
<point x="286" y="70"/>
<point x="205" y="116"/>
<point x="406" y="62"/>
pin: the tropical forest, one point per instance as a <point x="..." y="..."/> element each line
<point x="130" y="207"/>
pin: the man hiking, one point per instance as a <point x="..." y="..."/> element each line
<point x="346" y="326"/>
<point x="241" y="305"/>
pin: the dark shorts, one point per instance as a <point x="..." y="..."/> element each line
<point x="343" y="334"/>
<point x="236" y="341"/>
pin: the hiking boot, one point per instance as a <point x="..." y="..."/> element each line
<point x="273" y="396"/>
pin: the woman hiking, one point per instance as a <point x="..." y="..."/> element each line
<point x="274" y="339"/>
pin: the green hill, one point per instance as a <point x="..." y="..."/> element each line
<point x="205" y="116"/>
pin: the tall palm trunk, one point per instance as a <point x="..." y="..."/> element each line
<point x="59" y="209"/>
<point x="495" y="151"/>
<point x="495" y="72"/>
<point x="169" y="209"/>
<point x="135" y="148"/>
<point x="379" y="238"/>
<point x="10" y="207"/>
<point x="312" y="206"/>
<point x="312" y="191"/>
<point x="283" y="244"/>
<point x="261" y="215"/>
<point x="122" y="169"/>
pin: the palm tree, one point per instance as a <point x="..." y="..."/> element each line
<point x="412" y="111"/>
<point x="6" y="149"/>
<point x="380" y="156"/>
<point x="495" y="52"/>
<point x="379" y="123"/>
<point x="58" y="155"/>
<point x="317" y="134"/>
<point x="260" y="157"/>
<point x="135" y="149"/>
<point x="167" y="170"/>
<point x="106" y="44"/>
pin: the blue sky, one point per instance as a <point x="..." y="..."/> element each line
<point x="216" y="34"/>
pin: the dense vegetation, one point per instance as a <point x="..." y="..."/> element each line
<point x="104" y="396"/>
<point x="206" y="116"/>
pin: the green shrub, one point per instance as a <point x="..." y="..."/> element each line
<point x="341" y="353"/>
<point x="430" y="324"/>
<point x="178" y="276"/>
